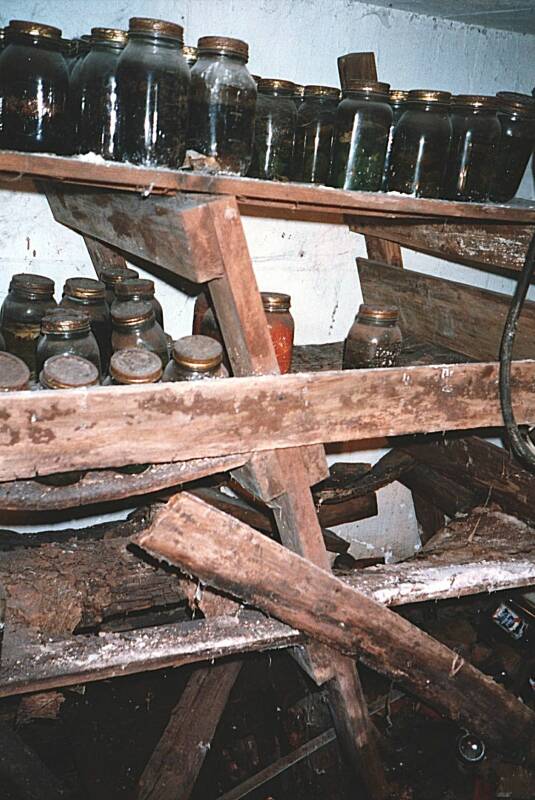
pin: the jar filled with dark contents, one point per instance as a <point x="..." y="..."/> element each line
<point x="314" y="134"/>
<point x="397" y="99"/>
<point x="89" y="296"/>
<point x="152" y="87"/>
<point x="420" y="145"/>
<point x="134" y="325"/>
<point x="363" y="120"/>
<point x="82" y="46"/>
<point x="97" y="113"/>
<point x="476" y="134"/>
<point x="67" y="331"/>
<point x="191" y="55"/>
<point x="276" y="118"/>
<point x="517" y="121"/>
<point x="34" y="84"/>
<point x="374" y="340"/>
<point x="281" y="327"/>
<point x="111" y="277"/>
<point x="195" y="358"/>
<point x="29" y="299"/>
<point x="14" y="373"/>
<point x="222" y="104"/>
<point x="137" y="290"/>
<point x="69" y="49"/>
<point x="134" y="366"/>
<point x="298" y="95"/>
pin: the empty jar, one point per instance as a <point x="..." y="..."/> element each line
<point x="195" y="358"/>
<point x="152" y="88"/>
<point x="135" y="366"/>
<point x="111" y="277"/>
<point x="34" y="84"/>
<point x="222" y="104"/>
<point x="363" y="120"/>
<point x="276" y="118"/>
<point x="314" y="134"/>
<point x="475" y="141"/>
<point x="138" y="289"/>
<point x="89" y="295"/>
<point x="134" y="325"/>
<point x="517" y="122"/>
<point x="29" y="299"/>
<point x="374" y="340"/>
<point x="14" y="373"/>
<point x="67" y="331"/>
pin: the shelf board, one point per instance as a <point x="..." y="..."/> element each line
<point x="269" y="198"/>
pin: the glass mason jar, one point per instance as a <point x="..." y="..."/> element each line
<point x="138" y="289"/>
<point x="135" y="365"/>
<point x="70" y="50"/>
<point x="29" y="299"/>
<point x="14" y="373"/>
<point x="191" y="55"/>
<point x="96" y="113"/>
<point x="152" y="90"/>
<point x="111" y="277"/>
<point x="222" y="104"/>
<point x="363" y="121"/>
<point x="314" y="134"/>
<point x="67" y="331"/>
<point x="34" y="84"/>
<point x="281" y="327"/>
<point x="374" y="339"/>
<point x="195" y="358"/>
<point x="89" y="296"/>
<point x="397" y="99"/>
<point x="517" y="121"/>
<point x="476" y="134"/>
<point x="276" y="118"/>
<point x="298" y="95"/>
<point x="421" y="144"/>
<point x="134" y="325"/>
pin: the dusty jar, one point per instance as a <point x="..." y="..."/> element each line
<point x="135" y="365"/>
<point x="134" y="325"/>
<point x="363" y="120"/>
<point x="276" y="118"/>
<point x="66" y="331"/>
<point x="374" y="340"/>
<point x="152" y="89"/>
<point x="89" y="295"/>
<point x="34" y="84"/>
<point x="222" y="104"/>
<point x="314" y="134"/>
<point x="111" y="277"/>
<point x="195" y="358"/>
<point x="517" y="121"/>
<point x="14" y="373"/>
<point x="138" y="289"/>
<point x="29" y="299"/>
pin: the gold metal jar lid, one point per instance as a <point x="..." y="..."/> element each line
<point x="366" y="87"/>
<point x="314" y="90"/>
<point x="131" y="313"/>
<point x="112" y="276"/>
<point x="34" y="29"/>
<point x="109" y="35"/>
<point x="158" y="27"/>
<point x="275" y="301"/>
<point x="517" y="97"/>
<point x="29" y="283"/>
<point x="68" y="372"/>
<point x="223" y="45"/>
<point x="197" y="353"/>
<point x="516" y="103"/>
<point x="398" y="95"/>
<point x="14" y="374"/>
<point x="475" y="101"/>
<point x="84" y="289"/>
<point x="268" y="85"/>
<point x="429" y="96"/>
<point x="135" y="365"/>
<point x="134" y="287"/>
<point x="378" y="313"/>
<point x="65" y="320"/>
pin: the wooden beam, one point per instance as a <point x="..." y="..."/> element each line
<point x="244" y="414"/>
<point x="103" y="256"/>
<point x="245" y="563"/>
<point x="464" y="318"/>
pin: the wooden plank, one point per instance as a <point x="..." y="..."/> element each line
<point x="103" y="256"/>
<point x="464" y="318"/>
<point x="493" y="247"/>
<point x="332" y="202"/>
<point x="382" y="250"/>
<point x="174" y="232"/>
<point x="247" y="564"/>
<point x="225" y="417"/>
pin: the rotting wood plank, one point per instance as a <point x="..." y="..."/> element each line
<point x="464" y="318"/>
<point x="256" y="569"/>
<point x="248" y="414"/>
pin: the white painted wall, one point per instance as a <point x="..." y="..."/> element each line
<point x="298" y="40"/>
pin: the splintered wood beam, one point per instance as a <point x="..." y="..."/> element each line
<point x="487" y="246"/>
<point x="245" y="414"/>
<point x="247" y="564"/>
<point x="464" y="318"/>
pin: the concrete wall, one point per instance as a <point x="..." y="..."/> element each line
<point x="314" y="263"/>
